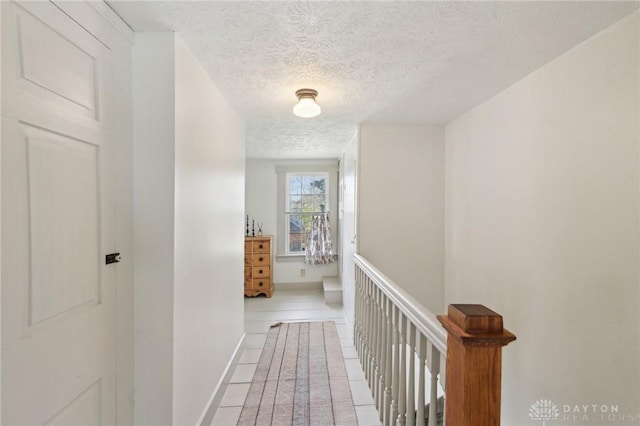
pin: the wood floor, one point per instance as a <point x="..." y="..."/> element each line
<point x="304" y="305"/>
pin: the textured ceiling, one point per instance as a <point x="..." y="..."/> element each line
<point x="385" y="62"/>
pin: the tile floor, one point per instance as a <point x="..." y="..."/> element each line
<point x="303" y="305"/>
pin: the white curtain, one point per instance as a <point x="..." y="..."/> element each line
<point x="320" y="247"/>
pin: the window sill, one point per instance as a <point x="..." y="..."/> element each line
<point x="290" y="258"/>
<point x="284" y="258"/>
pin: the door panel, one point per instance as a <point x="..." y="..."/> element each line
<point x="64" y="229"/>
<point x="55" y="71"/>
<point x="53" y="67"/>
<point x="58" y="296"/>
<point x="83" y="410"/>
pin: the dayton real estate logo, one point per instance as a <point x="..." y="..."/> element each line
<point x="544" y="410"/>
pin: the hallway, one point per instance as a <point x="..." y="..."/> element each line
<point x="303" y="305"/>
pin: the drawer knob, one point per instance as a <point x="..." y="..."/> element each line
<point x="260" y="271"/>
<point x="260" y="259"/>
<point x="260" y="284"/>
<point x="260" y="246"/>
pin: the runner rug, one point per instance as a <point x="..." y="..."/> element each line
<point x="300" y="379"/>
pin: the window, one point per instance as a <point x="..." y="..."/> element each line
<point x="304" y="187"/>
<point x="306" y="194"/>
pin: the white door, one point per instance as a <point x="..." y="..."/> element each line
<point x="58" y="296"/>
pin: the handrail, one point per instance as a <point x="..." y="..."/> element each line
<point x="424" y="320"/>
<point x="401" y="346"/>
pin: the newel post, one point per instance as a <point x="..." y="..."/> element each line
<point x="474" y="364"/>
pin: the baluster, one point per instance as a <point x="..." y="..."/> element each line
<point x="371" y="334"/>
<point x="422" y="355"/>
<point x="383" y="356"/>
<point x="396" y="365"/>
<point x="402" y="382"/>
<point x="359" y="313"/>
<point x="388" y="400"/>
<point x="356" y="311"/>
<point x="379" y="346"/>
<point x="363" y="301"/>
<point x="363" y="359"/>
<point x="361" y="318"/>
<point x="359" y="324"/>
<point x="364" y="318"/>
<point x="376" y="336"/>
<point x="367" y="326"/>
<point x="411" y="396"/>
<point x="434" y="369"/>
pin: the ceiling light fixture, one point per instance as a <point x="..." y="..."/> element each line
<point x="306" y="106"/>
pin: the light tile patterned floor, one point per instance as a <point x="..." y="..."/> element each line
<point x="303" y="305"/>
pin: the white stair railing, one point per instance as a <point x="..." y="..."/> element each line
<point x="401" y="345"/>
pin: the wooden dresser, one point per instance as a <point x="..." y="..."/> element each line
<point x="258" y="266"/>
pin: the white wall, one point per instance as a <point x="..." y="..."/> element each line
<point x="209" y="246"/>
<point x="154" y="171"/>
<point x="542" y="225"/>
<point x="401" y="207"/>
<point x="262" y="205"/>
<point x="189" y="235"/>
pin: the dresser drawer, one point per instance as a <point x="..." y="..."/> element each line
<point x="260" y="272"/>
<point x="263" y="246"/>
<point x="258" y="266"/>
<point x="261" y="259"/>
<point x="261" y="284"/>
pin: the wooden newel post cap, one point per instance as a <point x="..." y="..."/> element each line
<point x="476" y="325"/>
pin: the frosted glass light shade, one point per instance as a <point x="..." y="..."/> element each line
<point x="306" y="108"/>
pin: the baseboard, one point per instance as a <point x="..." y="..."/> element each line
<point x="314" y="285"/>
<point x="214" y="402"/>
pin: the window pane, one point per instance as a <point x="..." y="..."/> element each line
<point x="295" y="184"/>
<point x="295" y="224"/>
<point x="298" y="243"/>
<point x="295" y="203"/>
<point x="298" y="234"/>
<point x="308" y="203"/>
<point x="318" y="202"/>
<point x="318" y="185"/>
<point x="306" y="222"/>
<point x="306" y="184"/>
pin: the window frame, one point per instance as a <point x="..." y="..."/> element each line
<point x="287" y="208"/>
<point x="322" y="166"/>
